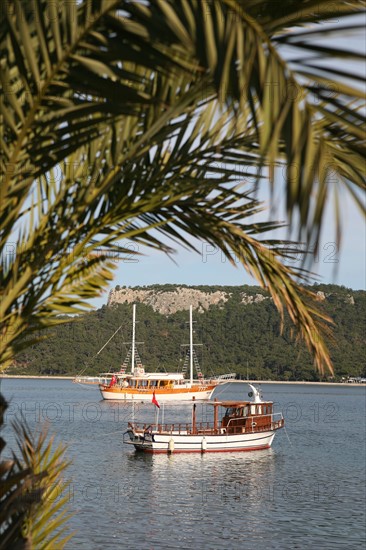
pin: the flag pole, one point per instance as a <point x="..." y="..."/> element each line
<point x="190" y="345"/>
<point x="133" y="338"/>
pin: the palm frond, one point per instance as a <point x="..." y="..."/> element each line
<point x="138" y="126"/>
<point x="96" y="71"/>
<point x="32" y="492"/>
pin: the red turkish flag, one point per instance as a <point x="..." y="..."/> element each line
<point x="155" y="401"/>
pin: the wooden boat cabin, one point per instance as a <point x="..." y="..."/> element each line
<point x="236" y="426"/>
<point x="244" y="416"/>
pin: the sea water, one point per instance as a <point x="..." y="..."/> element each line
<point x="307" y="491"/>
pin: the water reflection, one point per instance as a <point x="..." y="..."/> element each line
<point x="306" y="495"/>
<point x="209" y="480"/>
<point x="214" y="490"/>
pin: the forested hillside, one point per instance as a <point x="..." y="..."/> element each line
<point x="240" y="335"/>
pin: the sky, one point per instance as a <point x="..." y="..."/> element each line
<point x="343" y="265"/>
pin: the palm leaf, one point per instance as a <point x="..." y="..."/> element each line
<point x="117" y="97"/>
<point x="32" y="506"/>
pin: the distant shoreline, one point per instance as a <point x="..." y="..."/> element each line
<point x="36" y="377"/>
<point x="21" y="376"/>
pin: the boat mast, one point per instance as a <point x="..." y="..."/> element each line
<point x="133" y="338"/>
<point x="191" y="344"/>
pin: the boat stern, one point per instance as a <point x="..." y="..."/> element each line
<point x="141" y="440"/>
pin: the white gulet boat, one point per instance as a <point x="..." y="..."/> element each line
<point x="244" y="426"/>
<point x="167" y="386"/>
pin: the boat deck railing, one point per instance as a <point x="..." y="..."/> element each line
<point x="161" y="389"/>
<point x="228" y="376"/>
<point x="274" y="422"/>
<point x="92" y="380"/>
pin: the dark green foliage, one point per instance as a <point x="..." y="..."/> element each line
<point x="235" y="337"/>
<point x="32" y="498"/>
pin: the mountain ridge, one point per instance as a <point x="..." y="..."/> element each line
<point x="238" y="328"/>
<point x="168" y="299"/>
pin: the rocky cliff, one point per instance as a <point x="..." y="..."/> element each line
<point x="168" y="299"/>
<point x="179" y="298"/>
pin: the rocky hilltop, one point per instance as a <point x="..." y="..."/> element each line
<point x="180" y="298"/>
<point x="167" y="302"/>
<point x="168" y="299"/>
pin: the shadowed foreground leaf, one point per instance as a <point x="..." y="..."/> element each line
<point x="32" y="493"/>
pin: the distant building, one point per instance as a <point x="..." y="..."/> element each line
<point x="356" y="380"/>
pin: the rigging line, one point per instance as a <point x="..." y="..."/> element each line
<point x="107" y="342"/>
<point x="109" y="433"/>
<point x="101" y="349"/>
<point x="86" y="387"/>
<point x="219" y="390"/>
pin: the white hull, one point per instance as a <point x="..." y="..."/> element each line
<point x="146" y="397"/>
<point x="180" y="443"/>
<point x="243" y="426"/>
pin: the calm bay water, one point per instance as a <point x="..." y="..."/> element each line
<point x="307" y="491"/>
